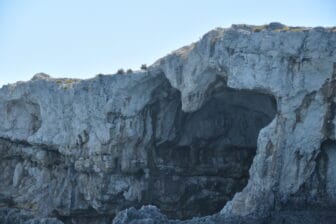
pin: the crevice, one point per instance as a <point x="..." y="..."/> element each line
<point x="329" y="92"/>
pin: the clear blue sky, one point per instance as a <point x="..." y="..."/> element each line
<point x="81" y="38"/>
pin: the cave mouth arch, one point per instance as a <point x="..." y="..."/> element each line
<point x="207" y="156"/>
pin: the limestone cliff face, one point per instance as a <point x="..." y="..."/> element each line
<point x="243" y="119"/>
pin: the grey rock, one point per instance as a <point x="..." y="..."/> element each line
<point x="41" y="76"/>
<point x="146" y="215"/>
<point x="8" y="216"/>
<point x="243" y="119"/>
<point x="43" y="221"/>
<point x="151" y="214"/>
<point x="19" y="216"/>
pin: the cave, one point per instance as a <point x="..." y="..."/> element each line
<point x="188" y="164"/>
<point x="199" y="160"/>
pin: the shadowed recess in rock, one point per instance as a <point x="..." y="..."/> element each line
<point x="206" y="158"/>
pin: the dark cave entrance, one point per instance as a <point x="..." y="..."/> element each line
<point x="207" y="156"/>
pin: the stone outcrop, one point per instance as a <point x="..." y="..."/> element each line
<point x="243" y="119"/>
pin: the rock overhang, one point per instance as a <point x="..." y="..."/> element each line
<point x="291" y="63"/>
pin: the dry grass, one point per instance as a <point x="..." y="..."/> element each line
<point x="291" y="29"/>
<point x="283" y="29"/>
<point x="259" y="28"/>
<point x="66" y="81"/>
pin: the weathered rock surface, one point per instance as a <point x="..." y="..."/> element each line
<point x="181" y="135"/>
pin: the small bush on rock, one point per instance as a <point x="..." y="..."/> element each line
<point x="143" y="67"/>
<point x="120" y="71"/>
<point x="129" y="71"/>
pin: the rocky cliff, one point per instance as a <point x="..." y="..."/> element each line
<point x="240" y="126"/>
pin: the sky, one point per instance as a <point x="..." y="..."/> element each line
<point x="82" y="38"/>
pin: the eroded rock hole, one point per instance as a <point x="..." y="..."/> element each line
<point x="199" y="160"/>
